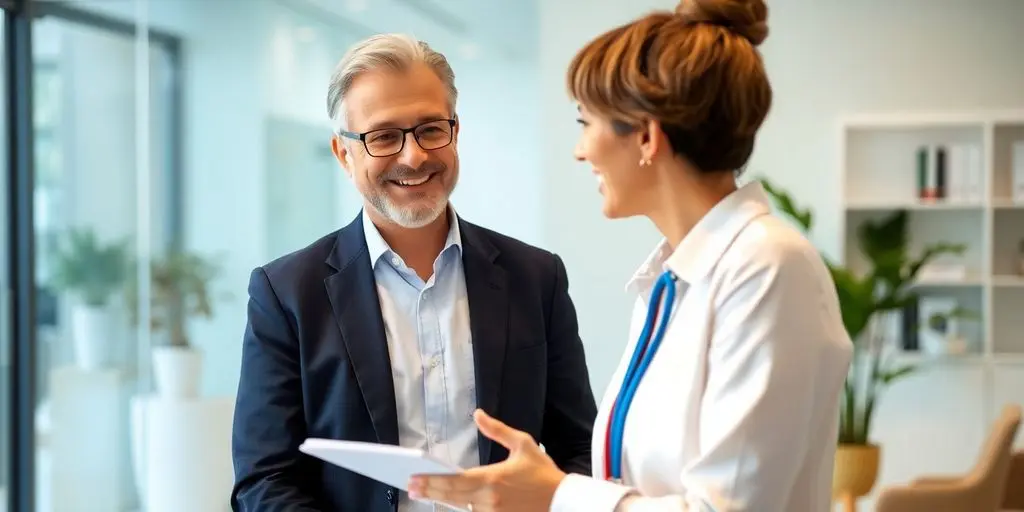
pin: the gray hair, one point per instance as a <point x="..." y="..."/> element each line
<point x="391" y="51"/>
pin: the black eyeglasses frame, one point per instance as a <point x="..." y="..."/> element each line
<point x="405" y="131"/>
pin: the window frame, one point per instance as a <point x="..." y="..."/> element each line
<point x="20" y="297"/>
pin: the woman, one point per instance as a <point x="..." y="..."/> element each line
<point x="727" y="397"/>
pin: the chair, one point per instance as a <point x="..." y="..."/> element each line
<point x="980" y="490"/>
<point x="1013" y="496"/>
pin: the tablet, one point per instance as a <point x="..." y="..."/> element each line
<point x="392" y="465"/>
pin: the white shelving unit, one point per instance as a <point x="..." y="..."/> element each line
<point x="878" y="157"/>
<point x="955" y="396"/>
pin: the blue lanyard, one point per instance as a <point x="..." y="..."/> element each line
<point x="644" y="352"/>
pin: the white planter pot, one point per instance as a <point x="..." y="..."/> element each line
<point x="182" y="453"/>
<point x="177" y="371"/>
<point x="93" y="331"/>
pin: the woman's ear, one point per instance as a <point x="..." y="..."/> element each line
<point x="650" y="140"/>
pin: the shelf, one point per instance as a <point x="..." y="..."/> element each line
<point x="881" y="163"/>
<point x="913" y="205"/>
<point x="1007" y="204"/>
<point x="983" y="210"/>
<point x="912" y="119"/>
<point x="922" y="359"/>
<point x="1008" y="281"/>
<point x="968" y="281"/>
<point x="926" y="228"/>
<point x="1008" y="359"/>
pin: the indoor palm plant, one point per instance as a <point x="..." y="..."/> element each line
<point x="179" y="290"/>
<point x="93" y="273"/>
<point x="867" y="299"/>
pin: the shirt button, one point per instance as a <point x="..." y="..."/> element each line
<point x="396" y="261"/>
<point x="434" y="361"/>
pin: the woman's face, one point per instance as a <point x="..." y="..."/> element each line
<point x="615" y="162"/>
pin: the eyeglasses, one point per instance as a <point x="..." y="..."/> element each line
<point x="391" y="141"/>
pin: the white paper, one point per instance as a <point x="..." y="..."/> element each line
<point x="392" y="465"/>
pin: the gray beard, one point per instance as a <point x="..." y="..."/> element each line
<point x="410" y="218"/>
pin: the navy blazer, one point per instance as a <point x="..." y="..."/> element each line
<point x="315" y="364"/>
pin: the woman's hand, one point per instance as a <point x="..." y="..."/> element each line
<point x="526" y="481"/>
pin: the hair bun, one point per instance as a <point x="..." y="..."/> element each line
<point x="746" y="18"/>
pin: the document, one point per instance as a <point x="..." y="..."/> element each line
<point x="393" y="465"/>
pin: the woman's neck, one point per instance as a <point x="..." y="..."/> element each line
<point x="685" y="199"/>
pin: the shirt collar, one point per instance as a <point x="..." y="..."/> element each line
<point x="705" y="244"/>
<point x="378" y="247"/>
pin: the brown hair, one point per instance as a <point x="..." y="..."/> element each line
<point x="697" y="71"/>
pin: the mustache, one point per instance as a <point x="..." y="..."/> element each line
<point x="404" y="172"/>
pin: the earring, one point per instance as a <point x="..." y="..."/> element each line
<point x="645" y="162"/>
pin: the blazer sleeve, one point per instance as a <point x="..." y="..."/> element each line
<point x="570" y="409"/>
<point x="762" y="382"/>
<point x="268" y="420"/>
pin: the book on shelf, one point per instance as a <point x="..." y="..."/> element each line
<point x="1018" y="171"/>
<point x="951" y="172"/>
<point x="908" y="331"/>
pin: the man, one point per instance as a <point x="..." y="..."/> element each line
<point x="397" y="327"/>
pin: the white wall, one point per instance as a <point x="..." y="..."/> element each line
<point x="600" y="255"/>
<point x="824" y="61"/>
<point x="501" y="180"/>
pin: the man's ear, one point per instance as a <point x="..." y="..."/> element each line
<point x="342" y="154"/>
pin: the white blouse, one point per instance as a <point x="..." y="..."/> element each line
<point x="739" y="409"/>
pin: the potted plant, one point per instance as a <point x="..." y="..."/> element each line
<point x="93" y="274"/>
<point x="180" y="290"/>
<point x="867" y="300"/>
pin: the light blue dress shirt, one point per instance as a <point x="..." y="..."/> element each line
<point x="431" y="351"/>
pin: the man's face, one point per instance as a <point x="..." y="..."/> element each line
<point x="409" y="186"/>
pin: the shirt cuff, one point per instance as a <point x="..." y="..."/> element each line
<point x="577" y="493"/>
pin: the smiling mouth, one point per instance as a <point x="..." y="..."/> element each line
<point x="414" y="182"/>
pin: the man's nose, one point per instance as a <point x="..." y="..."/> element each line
<point x="412" y="154"/>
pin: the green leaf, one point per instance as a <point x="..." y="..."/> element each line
<point x="889" y="376"/>
<point x="803" y="218"/>
<point x="88" y="268"/>
<point x="931" y="252"/>
<point x="856" y="300"/>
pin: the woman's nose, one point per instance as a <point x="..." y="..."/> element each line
<point x="578" y="153"/>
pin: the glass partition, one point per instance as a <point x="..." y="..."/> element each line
<point x="103" y="145"/>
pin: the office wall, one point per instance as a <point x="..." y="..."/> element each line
<point x="825" y="59"/>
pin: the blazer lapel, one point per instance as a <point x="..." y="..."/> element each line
<point x="353" y="295"/>
<point x="486" y="287"/>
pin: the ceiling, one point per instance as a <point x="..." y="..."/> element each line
<point x="474" y="29"/>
